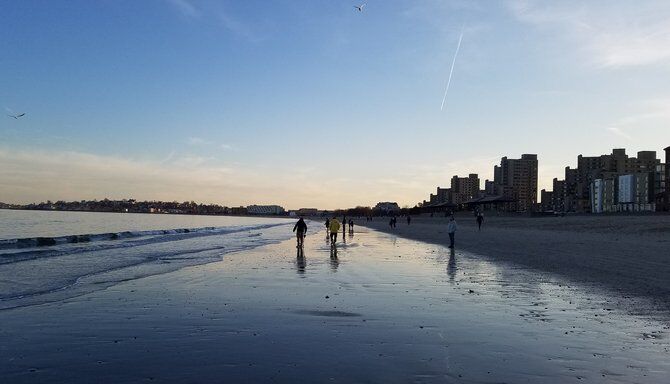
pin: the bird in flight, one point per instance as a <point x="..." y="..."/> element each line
<point x="359" y="7"/>
<point x="17" y="116"/>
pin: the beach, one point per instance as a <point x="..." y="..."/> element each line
<point x="630" y="255"/>
<point x="379" y="308"/>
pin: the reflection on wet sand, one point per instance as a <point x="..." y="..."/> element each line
<point x="451" y="266"/>
<point x="334" y="261"/>
<point x="300" y="261"/>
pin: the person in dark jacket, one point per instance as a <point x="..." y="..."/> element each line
<point x="300" y="230"/>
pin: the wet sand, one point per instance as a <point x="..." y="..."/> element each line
<point x="630" y="255"/>
<point x="382" y="309"/>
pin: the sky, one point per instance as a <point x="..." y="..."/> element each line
<point x="313" y="103"/>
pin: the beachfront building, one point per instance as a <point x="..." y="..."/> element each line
<point x="307" y="212"/>
<point x="558" y="195"/>
<point x="237" y="210"/>
<point x="623" y="193"/>
<point x="387" y="208"/>
<point x="464" y="189"/>
<point x="268" y="210"/>
<point x="660" y="187"/>
<point x="667" y="176"/>
<point x="546" y="200"/>
<point x="635" y="192"/>
<point x="618" y="163"/>
<point x="516" y="179"/>
<point x="443" y="195"/>
<point x="489" y="187"/>
<point x="602" y="196"/>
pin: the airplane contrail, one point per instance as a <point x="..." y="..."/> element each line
<point x="451" y="71"/>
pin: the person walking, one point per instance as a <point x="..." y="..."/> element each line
<point x="409" y="219"/>
<point x="451" y="230"/>
<point x="334" y="229"/>
<point x="480" y="219"/>
<point x="300" y="229"/>
<point x="327" y="227"/>
<point x="351" y="225"/>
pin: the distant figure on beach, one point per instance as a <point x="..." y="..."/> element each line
<point x="327" y="227"/>
<point x="409" y="219"/>
<point x="300" y="229"/>
<point x="334" y="229"/>
<point x="451" y="230"/>
<point x="351" y="225"/>
<point x="391" y="223"/>
<point x="480" y="219"/>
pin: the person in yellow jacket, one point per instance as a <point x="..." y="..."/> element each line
<point x="334" y="229"/>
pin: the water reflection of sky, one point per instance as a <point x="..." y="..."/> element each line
<point x="578" y="327"/>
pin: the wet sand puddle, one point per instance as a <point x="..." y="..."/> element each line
<point x="374" y="309"/>
<point x="534" y="324"/>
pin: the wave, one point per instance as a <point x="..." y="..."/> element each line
<point x="21" y="249"/>
<point x="39" y="270"/>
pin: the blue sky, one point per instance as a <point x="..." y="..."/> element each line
<point x="312" y="103"/>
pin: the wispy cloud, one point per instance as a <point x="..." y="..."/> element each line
<point x="225" y="18"/>
<point x="614" y="34"/>
<point x="649" y="112"/>
<point x="239" y="28"/>
<point x="35" y="175"/>
<point x="185" y="8"/>
<point x="617" y="131"/>
<point x="196" y="141"/>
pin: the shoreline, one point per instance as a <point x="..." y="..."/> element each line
<point x="388" y="309"/>
<point x="628" y="255"/>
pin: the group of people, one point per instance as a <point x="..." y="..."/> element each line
<point x="333" y="228"/>
<point x="394" y="221"/>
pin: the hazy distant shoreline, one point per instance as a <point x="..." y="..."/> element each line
<point x="151" y="213"/>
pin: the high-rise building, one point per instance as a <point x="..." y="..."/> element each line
<point x="443" y="195"/>
<point x="489" y="187"/>
<point x="517" y="179"/>
<point x="558" y="197"/>
<point x="666" y="192"/>
<point x="660" y="187"/>
<point x="546" y="200"/>
<point x="590" y="168"/>
<point x="464" y="189"/>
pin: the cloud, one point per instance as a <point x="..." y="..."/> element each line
<point x="617" y="131"/>
<point x="613" y="34"/>
<point x="196" y="141"/>
<point x="185" y="8"/>
<point x="226" y="147"/>
<point x="238" y="27"/>
<point x="39" y="175"/>
<point x="650" y="111"/>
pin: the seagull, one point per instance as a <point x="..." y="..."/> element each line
<point x="359" y="7"/>
<point x="17" y="116"/>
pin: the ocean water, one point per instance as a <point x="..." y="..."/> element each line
<point x="47" y="256"/>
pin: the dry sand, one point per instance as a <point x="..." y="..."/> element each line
<point x="382" y="309"/>
<point x="628" y="254"/>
